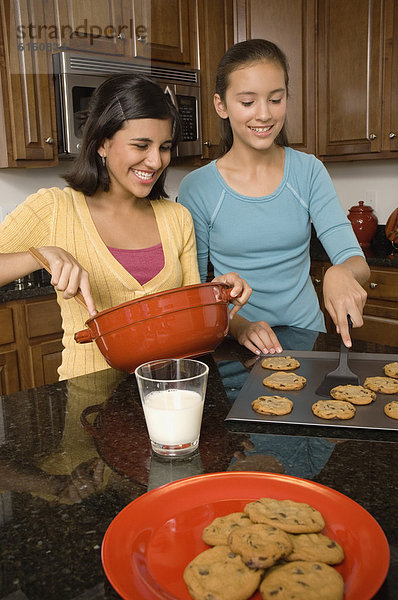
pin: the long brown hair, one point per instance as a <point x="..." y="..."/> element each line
<point x="240" y="54"/>
<point x="118" y="99"/>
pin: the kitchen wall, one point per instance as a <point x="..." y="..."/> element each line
<point x="374" y="181"/>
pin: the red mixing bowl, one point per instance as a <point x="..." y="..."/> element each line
<point x="178" y="323"/>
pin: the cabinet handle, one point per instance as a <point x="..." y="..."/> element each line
<point x="49" y="140"/>
<point x="372" y="285"/>
<point x="208" y="144"/>
<point x="121" y="36"/>
<point x="372" y="136"/>
<point x="392" y="135"/>
<point x="141" y="33"/>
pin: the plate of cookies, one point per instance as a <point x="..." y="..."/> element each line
<point x="244" y="535"/>
<point x="283" y="389"/>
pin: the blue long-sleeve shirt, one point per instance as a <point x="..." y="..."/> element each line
<point x="267" y="239"/>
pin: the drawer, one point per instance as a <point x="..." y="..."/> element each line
<point x="383" y="284"/>
<point x="43" y="317"/>
<point x="7" y="335"/>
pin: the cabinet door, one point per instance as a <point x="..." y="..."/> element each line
<point x="94" y="25"/>
<point x="9" y="375"/>
<point x="162" y="30"/>
<point x="291" y="25"/>
<point x="349" y="77"/>
<point x="390" y="90"/>
<point x="46" y="358"/>
<point x="214" y="41"/>
<point x="27" y="114"/>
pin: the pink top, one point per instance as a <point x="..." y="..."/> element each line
<point x="142" y="264"/>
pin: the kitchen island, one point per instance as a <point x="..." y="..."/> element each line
<point x="75" y="453"/>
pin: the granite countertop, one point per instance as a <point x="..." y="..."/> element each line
<point x="63" y="483"/>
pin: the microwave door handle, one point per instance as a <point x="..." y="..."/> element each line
<point x="168" y="90"/>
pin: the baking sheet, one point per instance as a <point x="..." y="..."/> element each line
<point x="314" y="366"/>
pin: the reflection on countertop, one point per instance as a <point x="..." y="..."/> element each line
<point x="74" y="453"/>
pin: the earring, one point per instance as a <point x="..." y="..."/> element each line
<point x="103" y="158"/>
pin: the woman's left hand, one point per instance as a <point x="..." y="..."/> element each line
<point x="240" y="293"/>
<point x="343" y="296"/>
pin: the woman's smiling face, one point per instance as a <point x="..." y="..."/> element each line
<point x="137" y="155"/>
<point x="255" y="103"/>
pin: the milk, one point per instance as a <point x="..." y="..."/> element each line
<point x="173" y="417"/>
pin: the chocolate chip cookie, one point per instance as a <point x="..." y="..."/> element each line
<point x="272" y="405"/>
<point x="391" y="409"/>
<point x="259" y="545"/>
<point x="285" y="381"/>
<point x="315" y="547"/>
<point x="220" y="574"/>
<point x="333" y="409"/>
<point x="384" y="385"/>
<point x="391" y="370"/>
<point x="280" y="363"/>
<point x="218" y="531"/>
<point x="290" y="516"/>
<point x="302" y="580"/>
<point x="356" y="394"/>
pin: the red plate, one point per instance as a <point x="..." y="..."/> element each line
<point x="149" y="543"/>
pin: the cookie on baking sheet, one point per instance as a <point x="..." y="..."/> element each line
<point x="290" y="516"/>
<point x="272" y="405"/>
<point x="280" y="363"/>
<point x="217" y="533"/>
<point x="260" y="545"/>
<point x="302" y="580"/>
<point x="384" y="385"/>
<point x="220" y="574"/>
<point x="391" y="370"/>
<point x="333" y="409"/>
<point x="356" y="394"/>
<point x="315" y="546"/>
<point x="285" y="381"/>
<point x="391" y="409"/>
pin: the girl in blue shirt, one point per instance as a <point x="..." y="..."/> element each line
<point x="253" y="208"/>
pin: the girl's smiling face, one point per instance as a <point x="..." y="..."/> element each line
<point x="255" y="103"/>
<point x="137" y="155"/>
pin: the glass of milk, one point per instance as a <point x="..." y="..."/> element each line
<point x="172" y="393"/>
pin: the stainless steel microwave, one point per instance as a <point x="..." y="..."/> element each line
<point x="77" y="74"/>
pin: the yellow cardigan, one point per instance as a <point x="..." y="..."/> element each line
<point x="55" y="217"/>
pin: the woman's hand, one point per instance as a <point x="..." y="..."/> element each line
<point x="343" y="296"/>
<point x="257" y="336"/>
<point x="240" y="293"/>
<point x="68" y="276"/>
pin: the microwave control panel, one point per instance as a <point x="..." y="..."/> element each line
<point x="188" y="110"/>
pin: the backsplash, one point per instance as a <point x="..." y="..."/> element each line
<point x="353" y="181"/>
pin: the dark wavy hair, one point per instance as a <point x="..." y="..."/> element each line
<point x="117" y="99"/>
<point x="239" y="55"/>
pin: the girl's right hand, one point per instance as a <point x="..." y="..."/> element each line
<point x="68" y="276"/>
<point x="257" y="336"/>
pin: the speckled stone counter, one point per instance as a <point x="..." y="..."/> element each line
<point x="73" y="454"/>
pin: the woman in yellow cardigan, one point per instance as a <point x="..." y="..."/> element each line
<point x="112" y="234"/>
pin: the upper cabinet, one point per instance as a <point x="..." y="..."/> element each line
<point x="291" y="25"/>
<point x="27" y="113"/>
<point x="357" y="79"/>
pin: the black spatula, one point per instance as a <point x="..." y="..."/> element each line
<point x="340" y="376"/>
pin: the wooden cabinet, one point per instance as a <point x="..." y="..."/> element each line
<point x="291" y="25"/>
<point x="214" y="41"/>
<point x="27" y="112"/>
<point x="357" y="79"/>
<point x="380" y="313"/>
<point x="95" y="26"/>
<point x="30" y="343"/>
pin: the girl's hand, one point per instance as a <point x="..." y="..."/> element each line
<point x="68" y="276"/>
<point x="240" y="293"/>
<point x="257" y="336"/>
<point x="343" y="296"/>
